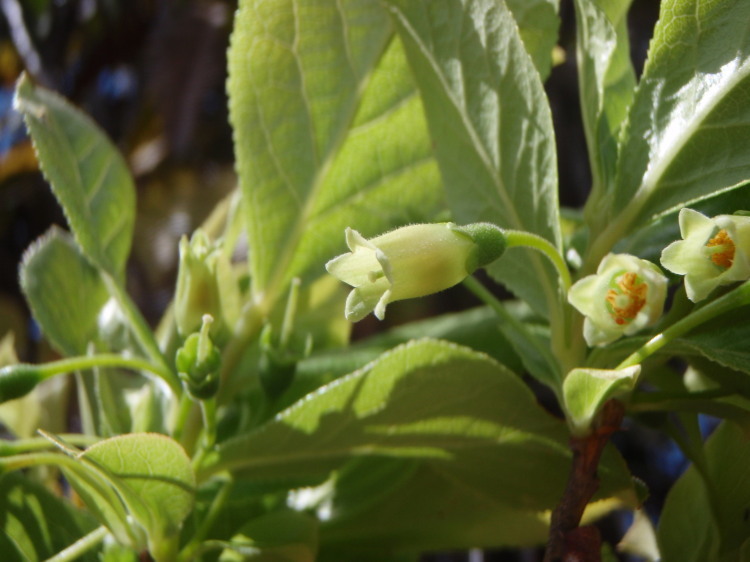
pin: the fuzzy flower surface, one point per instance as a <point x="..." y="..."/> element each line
<point x="412" y="261"/>
<point x="714" y="251"/>
<point x="624" y="296"/>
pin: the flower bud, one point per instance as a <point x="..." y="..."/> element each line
<point x="205" y="285"/>
<point x="198" y="362"/>
<point x="412" y="261"/>
<point x="626" y="295"/>
<point x="713" y="251"/>
<point x="18" y="380"/>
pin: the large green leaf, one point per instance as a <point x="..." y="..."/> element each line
<point x="279" y="536"/>
<point x="538" y="23"/>
<point x="36" y="524"/>
<point x="64" y="291"/>
<point x="320" y="103"/>
<point x="606" y="81"/>
<point x="705" y="516"/>
<point x="490" y="124"/>
<point x="382" y="505"/>
<point x="723" y="340"/>
<point x="462" y="412"/>
<point x="87" y="174"/>
<point x="689" y="123"/>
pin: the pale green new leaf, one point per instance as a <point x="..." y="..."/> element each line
<point x="689" y="124"/>
<point x="538" y="24"/>
<point x="65" y="292"/>
<point x="606" y="81"/>
<point x="153" y="476"/>
<point x="87" y="173"/>
<point x="585" y="391"/>
<point x="490" y="124"/>
<point x="329" y="132"/>
<point x="708" y="519"/>
<point x="143" y="478"/>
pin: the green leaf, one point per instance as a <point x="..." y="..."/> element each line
<point x="690" y="120"/>
<point x="491" y="127"/>
<point x="585" y="391"/>
<point x="382" y="505"/>
<point x="538" y="24"/>
<point x="87" y="174"/>
<point x="279" y="536"/>
<point x="462" y="412"/>
<point x="153" y="476"/>
<point x="722" y="340"/>
<point x="705" y="516"/>
<point x="36" y="524"/>
<point x="64" y="291"/>
<point x="319" y="99"/>
<point x="144" y="478"/>
<point x="606" y="81"/>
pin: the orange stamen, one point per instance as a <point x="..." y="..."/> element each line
<point x="725" y="257"/>
<point x="628" y="286"/>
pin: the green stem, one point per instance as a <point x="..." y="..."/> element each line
<point x="143" y="332"/>
<point x="520" y="238"/>
<point x="489" y="299"/>
<point x="17" y="462"/>
<point x="208" y="408"/>
<point x="30" y="445"/>
<point x="191" y="549"/>
<point x="82" y="545"/>
<point x="734" y="299"/>
<point x="71" y="364"/>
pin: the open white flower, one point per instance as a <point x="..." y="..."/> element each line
<point x="714" y="251"/>
<point x="408" y="262"/>
<point x="626" y="295"/>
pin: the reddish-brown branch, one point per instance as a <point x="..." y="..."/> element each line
<point x="568" y="542"/>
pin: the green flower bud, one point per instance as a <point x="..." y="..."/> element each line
<point x="412" y="261"/>
<point x="626" y="295"/>
<point x="276" y="370"/>
<point x="18" y="380"/>
<point x="205" y="285"/>
<point x="713" y="251"/>
<point x="198" y="362"/>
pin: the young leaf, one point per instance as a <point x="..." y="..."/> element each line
<point x="320" y="99"/>
<point x="705" y="516"/>
<point x="490" y="124"/>
<point x="606" y="81"/>
<point x="64" y="291"/>
<point x="587" y="390"/>
<point x="143" y="478"/>
<point x="689" y="122"/>
<point x="153" y="476"/>
<point x="87" y="174"/>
